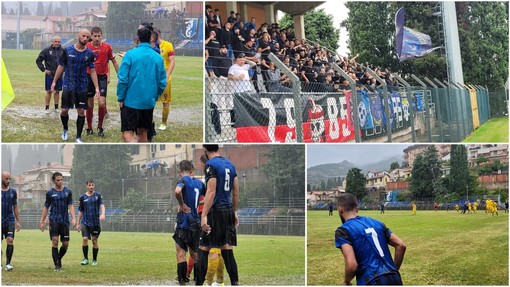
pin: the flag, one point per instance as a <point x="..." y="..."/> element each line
<point x="410" y="44"/>
<point x="7" y="91"/>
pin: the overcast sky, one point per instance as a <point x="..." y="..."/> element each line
<point x="340" y="13"/>
<point x="355" y="153"/>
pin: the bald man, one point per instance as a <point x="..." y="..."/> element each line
<point x="10" y="217"/>
<point x="47" y="62"/>
<point x="74" y="63"/>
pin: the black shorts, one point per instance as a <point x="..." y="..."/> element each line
<point x="61" y="229"/>
<point x="223" y="229"/>
<point x="133" y="119"/>
<point x="90" y="231"/>
<point x="391" y="278"/>
<point x="187" y="238"/>
<point x="8" y="230"/>
<point x="70" y="100"/>
<point x="102" y="81"/>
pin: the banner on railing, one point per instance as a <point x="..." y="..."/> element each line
<point x="270" y="117"/>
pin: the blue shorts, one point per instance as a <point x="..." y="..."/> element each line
<point x="48" y="80"/>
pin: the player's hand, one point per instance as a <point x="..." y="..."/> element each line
<point x="241" y="76"/>
<point x="204" y="225"/>
<point x="121" y="104"/>
<point x="236" y="220"/>
<point x="78" y="227"/>
<point x="168" y="78"/>
<point x="41" y="226"/>
<point x="121" y="54"/>
<point x="73" y="223"/>
<point x="102" y="217"/>
<point x="184" y="208"/>
<point x="18" y="226"/>
<point x="108" y="79"/>
<point x="96" y="96"/>
<point x="52" y="88"/>
<point x="48" y="72"/>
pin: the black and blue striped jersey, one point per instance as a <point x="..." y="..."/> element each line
<point x="90" y="207"/>
<point x="75" y="68"/>
<point x="9" y="200"/>
<point x="58" y="203"/>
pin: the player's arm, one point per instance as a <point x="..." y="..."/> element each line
<point x="70" y="207"/>
<point x="93" y="76"/>
<point x="171" y="66"/>
<point x="351" y="265"/>
<point x="115" y="65"/>
<point x="400" y="249"/>
<point x="209" y="198"/>
<point x="235" y="199"/>
<point x="103" y="213"/>
<point x="39" y="61"/>
<point x="78" y="221"/>
<point x="18" y="219"/>
<point x="58" y="74"/>
<point x="43" y="216"/>
<point x="178" y="195"/>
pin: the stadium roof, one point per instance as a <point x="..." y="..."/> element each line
<point x="292" y="8"/>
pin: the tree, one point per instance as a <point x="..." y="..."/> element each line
<point x="289" y="179"/>
<point x="106" y="164"/>
<point x="4" y="10"/>
<point x="58" y="12"/>
<point x="483" y="34"/>
<point x="40" y="9"/>
<point x="50" y="10"/>
<point x="124" y="17"/>
<point x="426" y="173"/>
<point x="308" y="187"/>
<point x="459" y="173"/>
<point x="319" y="28"/>
<point x="133" y="200"/>
<point x="26" y="11"/>
<point x="394" y="165"/>
<point x="356" y="182"/>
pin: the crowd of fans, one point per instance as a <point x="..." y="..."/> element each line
<point x="229" y="40"/>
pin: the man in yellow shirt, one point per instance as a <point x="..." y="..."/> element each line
<point x="414" y="208"/>
<point x="168" y="54"/>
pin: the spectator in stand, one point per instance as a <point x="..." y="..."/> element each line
<point x="212" y="46"/>
<point x="217" y="16"/>
<point x="239" y="73"/>
<point x="223" y="63"/>
<point x="238" y="21"/>
<point x="250" y="25"/>
<point x="213" y="24"/>
<point x="237" y="42"/>
<point x="265" y="45"/>
<point x="274" y="80"/>
<point x="232" y="19"/>
<point x="226" y="39"/>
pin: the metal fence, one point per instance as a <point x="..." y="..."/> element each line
<point x="289" y="110"/>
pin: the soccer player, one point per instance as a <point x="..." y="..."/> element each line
<point x="435" y="206"/>
<point x="219" y="218"/>
<point x="74" y="62"/>
<point x="50" y="56"/>
<point x="59" y="201"/>
<point x="475" y="206"/>
<point x="414" y="208"/>
<point x="168" y="54"/>
<point x="91" y="213"/>
<point x="330" y="209"/>
<point x="187" y="192"/>
<point x="103" y="53"/>
<point x="10" y="217"/>
<point x="141" y="79"/>
<point x="364" y="243"/>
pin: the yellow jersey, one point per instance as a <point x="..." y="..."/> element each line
<point x="167" y="50"/>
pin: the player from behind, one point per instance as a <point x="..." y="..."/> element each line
<point x="168" y="54"/>
<point x="103" y="54"/>
<point x="219" y="218"/>
<point x="10" y="217"/>
<point x="187" y="192"/>
<point x="91" y="213"/>
<point x="59" y="202"/>
<point x="364" y="243"/>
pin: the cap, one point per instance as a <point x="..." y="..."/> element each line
<point x="240" y="55"/>
<point x="223" y="46"/>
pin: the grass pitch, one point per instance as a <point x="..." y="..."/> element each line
<point x="443" y="248"/>
<point x="493" y="131"/>
<point x="148" y="259"/>
<point x="24" y="119"/>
